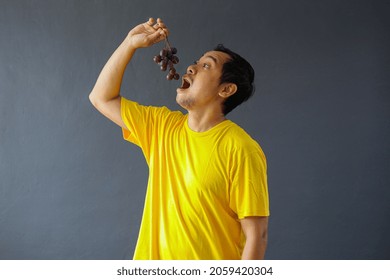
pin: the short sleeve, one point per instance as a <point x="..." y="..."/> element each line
<point x="145" y="124"/>
<point x="140" y="123"/>
<point x="249" y="190"/>
<point x="135" y="117"/>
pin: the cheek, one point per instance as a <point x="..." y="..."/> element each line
<point x="205" y="85"/>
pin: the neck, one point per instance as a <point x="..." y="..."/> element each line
<point x="201" y="122"/>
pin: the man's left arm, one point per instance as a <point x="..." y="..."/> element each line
<point x="256" y="232"/>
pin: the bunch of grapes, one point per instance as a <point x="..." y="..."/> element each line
<point x="167" y="59"/>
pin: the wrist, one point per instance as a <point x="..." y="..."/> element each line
<point x="129" y="44"/>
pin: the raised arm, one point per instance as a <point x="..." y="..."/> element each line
<point x="105" y="96"/>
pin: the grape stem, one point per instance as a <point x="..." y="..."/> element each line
<point x="167" y="43"/>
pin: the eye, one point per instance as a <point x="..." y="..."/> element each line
<point x="205" y="65"/>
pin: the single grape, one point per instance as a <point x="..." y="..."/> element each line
<point x="163" y="52"/>
<point x="175" y="59"/>
<point x="164" y="63"/>
<point x="157" y="58"/>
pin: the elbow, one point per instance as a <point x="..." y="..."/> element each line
<point x="93" y="100"/>
<point x="264" y="235"/>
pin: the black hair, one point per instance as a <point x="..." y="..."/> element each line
<point x="237" y="71"/>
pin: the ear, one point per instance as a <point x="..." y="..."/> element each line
<point x="227" y="90"/>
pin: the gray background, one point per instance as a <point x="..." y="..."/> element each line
<point x="71" y="188"/>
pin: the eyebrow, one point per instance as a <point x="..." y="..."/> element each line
<point x="211" y="57"/>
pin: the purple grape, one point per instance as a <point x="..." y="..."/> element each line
<point x="166" y="59"/>
<point x="157" y="58"/>
<point x="175" y="59"/>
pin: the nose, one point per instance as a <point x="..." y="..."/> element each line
<point x="191" y="69"/>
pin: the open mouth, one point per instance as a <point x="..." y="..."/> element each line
<point x="186" y="83"/>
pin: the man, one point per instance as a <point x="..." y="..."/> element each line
<point x="207" y="194"/>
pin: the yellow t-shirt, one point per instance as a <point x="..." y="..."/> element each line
<point x="200" y="185"/>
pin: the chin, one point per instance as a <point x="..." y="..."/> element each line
<point x="184" y="102"/>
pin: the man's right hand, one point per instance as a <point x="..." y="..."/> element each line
<point x="147" y="34"/>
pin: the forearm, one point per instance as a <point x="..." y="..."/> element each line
<point x="109" y="82"/>
<point x="254" y="249"/>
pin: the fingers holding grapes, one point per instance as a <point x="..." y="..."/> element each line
<point x="161" y="25"/>
<point x="152" y="32"/>
<point x="158" y="26"/>
<point x="159" y="32"/>
<point x="148" y="33"/>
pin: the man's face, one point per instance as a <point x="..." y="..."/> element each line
<point x="201" y="84"/>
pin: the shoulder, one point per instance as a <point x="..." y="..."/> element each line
<point x="144" y="111"/>
<point x="240" y="142"/>
<point x="240" y="136"/>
